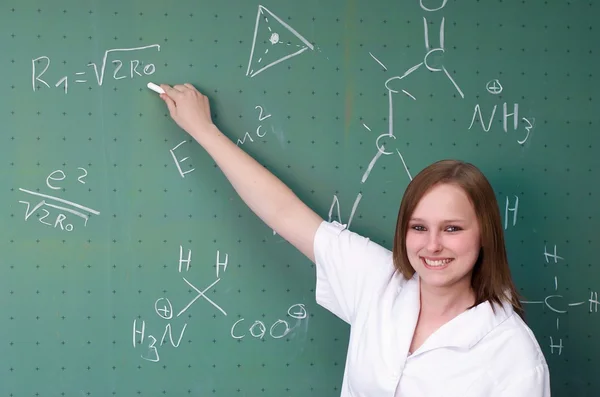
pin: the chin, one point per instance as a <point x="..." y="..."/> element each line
<point x="435" y="281"/>
<point x="439" y="280"/>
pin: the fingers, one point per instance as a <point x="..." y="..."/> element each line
<point x="180" y="87"/>
<point x="178" y="91"/>
<point x="170" y="104"/>
<point x="170" y="91"/>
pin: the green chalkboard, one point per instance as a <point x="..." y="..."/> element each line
<point x="130" y="267"/>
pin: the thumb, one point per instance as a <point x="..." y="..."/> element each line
<point x="170" y="104"/>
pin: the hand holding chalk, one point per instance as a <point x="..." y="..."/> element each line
<point x="189" y="108"/>
<point x="155" y="88"/>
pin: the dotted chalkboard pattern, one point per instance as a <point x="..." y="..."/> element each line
<point x="69" y="299"/>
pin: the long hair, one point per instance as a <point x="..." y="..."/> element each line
<point x="491" y="279"/>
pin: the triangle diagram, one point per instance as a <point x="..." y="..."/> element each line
<point x="274" y="41"/>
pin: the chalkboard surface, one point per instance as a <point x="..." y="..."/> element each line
<point x="129" y="266"/>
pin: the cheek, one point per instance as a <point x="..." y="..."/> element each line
<point x="413" y="243"/>
<point x="467" y="245"/>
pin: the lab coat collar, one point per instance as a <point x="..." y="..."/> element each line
<point x="406" y="313"/>
<point x="465" y="330"/>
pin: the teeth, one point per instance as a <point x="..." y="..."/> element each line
<point x="441" y="262"/>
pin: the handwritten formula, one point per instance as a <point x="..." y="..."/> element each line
<point x="56" y="211"/>
<point x="120" y="69"/>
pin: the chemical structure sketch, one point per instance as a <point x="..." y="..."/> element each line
<point x="430" y="52"/>
<point x="164" y="309"/>
<point x="381" y="149"/>
<point x="391" y="91"/>
<point x="494" y="87"/>
<point x="389" y="134"/>
<point x="273" y="44"/>
<point x="548" y="302"/>
<point x="552" y="302"/>
<point x="201" y="294"/>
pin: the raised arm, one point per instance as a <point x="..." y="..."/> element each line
<point x="269" y="198"/>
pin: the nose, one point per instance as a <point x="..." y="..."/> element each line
<point x="434" y="244"/>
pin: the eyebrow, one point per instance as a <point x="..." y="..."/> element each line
<point x="444" y="221"/>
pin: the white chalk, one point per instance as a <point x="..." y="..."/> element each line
<point x="156" y="88"/>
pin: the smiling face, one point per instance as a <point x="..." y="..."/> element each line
<point x="443" y="238"/>
<point x="449" y="230"/>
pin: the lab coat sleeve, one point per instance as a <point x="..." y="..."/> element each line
<point x="534" y="383"/>
<point x="350" y="268"/>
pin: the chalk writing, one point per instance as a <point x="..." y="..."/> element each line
<point x="201" y="294"/>
<point x="336" y="204"/>
<point x="139" y="334"/>
<point x="494" y="87"/>
<point x="554" y="256"/>
<point x="219" y="264"/>
<point x="514" y="210"/>
<point x="276" y="51"/>
<point x="389" y="136"/>
<point x="260" y="133"/>
<point x="553" y="301"/>
<point x="555" y="346"/>
<point x="59" y="175"/>
<point x="164" y="309"/>
<point x="57" y="208"/>
<point x="378" y="61"/>
<point x="278" y="329"/>
<point x="431" y="52"/>
<point x="133" y="69"/>
<point x="178" y="162"/>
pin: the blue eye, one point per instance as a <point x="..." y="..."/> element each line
<point x="418" y="228"/>
<point x="453" y="229"/>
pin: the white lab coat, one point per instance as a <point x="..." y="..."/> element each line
<point x="477" y="354"/>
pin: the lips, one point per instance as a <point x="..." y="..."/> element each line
<point x="436" y="264"/>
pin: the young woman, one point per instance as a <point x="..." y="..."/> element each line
<point x="437" y="316"/>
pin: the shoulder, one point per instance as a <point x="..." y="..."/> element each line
<point x="521" y="339"/>
<point x="334" y="241"/>
<point x="351" y="269"/>
<point x="518" y="358"/>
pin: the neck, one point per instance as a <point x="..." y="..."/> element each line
<point x="442" y="302"/>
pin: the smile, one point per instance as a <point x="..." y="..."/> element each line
<point x="436" y="264"/>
